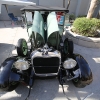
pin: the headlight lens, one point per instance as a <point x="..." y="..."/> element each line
<point x="69" y="63"/>
<point x="21" y="64"/>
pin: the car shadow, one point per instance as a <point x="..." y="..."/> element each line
<point x="5" y="51"/>
<point x="43" y="89"/>
<point x="50" y="89"/>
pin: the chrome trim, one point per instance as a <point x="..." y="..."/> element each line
<point x="36" y="53"/>
<point x="46" y="75"/>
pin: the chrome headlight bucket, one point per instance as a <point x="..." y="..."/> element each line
<point x="69" y="63"/>
<point x="21" y="64"/>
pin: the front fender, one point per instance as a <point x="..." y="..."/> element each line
<point x="85" y="70"/>
<point x="6" y="75"/>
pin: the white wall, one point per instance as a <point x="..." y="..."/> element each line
<point x="59" y="3"/>
<point x="73" y="5"/>
<point x="82" y="8"/>
<point x="11" y="9"/>
<point x="51" y="3"/>
<point x="0" y="8"/>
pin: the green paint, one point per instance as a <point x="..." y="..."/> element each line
<point x="24" y="47"/>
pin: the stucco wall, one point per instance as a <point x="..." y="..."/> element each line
<point x="83" y="7"/>
<point x="11" y="9"/>
<point x="73" y="6"/>
<point x="59" y="3"/>
<point x="0" y="8"/>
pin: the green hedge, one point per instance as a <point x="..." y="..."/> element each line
<point x="86" y="27"/>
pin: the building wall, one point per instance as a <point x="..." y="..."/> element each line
<point x="0" y="8"/>
<point x="84" y="6"/>
<point x="59" y="3"/>
<point x="97" y="11"/>
<point x="11" y="9"/>
<point x="75" y="7"/>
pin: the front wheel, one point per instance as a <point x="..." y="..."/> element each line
<point x="78" y="83"/>
<point x="82" y="83"/>
<point x="70" y="47"/>
<point x="12" y="86"/>
<point x="22" y="48"/>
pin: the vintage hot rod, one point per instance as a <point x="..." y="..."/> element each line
<point x="45" y="54"/>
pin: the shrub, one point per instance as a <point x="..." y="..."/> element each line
<point x="86" y="27"/>
<point x="82" y="16"/>
<point x="72" y="17"/>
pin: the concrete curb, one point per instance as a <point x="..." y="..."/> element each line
<point x="82" y="40"/>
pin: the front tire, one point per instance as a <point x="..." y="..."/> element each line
<point x="70" y="47"/>
<point x="12" y="86"/>
<point x="22" y="48"/>
<point x="78" y="83"/>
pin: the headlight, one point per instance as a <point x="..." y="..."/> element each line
<point x="21" y="64"/>
<point x="69" y="63"/>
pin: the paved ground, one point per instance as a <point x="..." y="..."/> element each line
<point x="48" y="89"/>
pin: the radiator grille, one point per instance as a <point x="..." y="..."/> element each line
<point x="39" y="61"/>
<point x="46" y="65"/>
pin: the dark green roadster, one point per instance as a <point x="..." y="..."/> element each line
<point x="46" y="54"/>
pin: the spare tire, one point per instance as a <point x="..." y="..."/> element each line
<point x="22" y="48"/>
